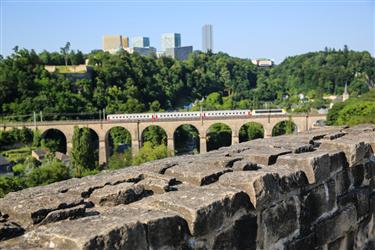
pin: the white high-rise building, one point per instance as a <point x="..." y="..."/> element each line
<point x="207" y="38"/>
<point x="141" y="42"/>
<point x="170" y="40"/>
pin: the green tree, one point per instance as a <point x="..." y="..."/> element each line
<point x="149" y="152"/>
<point x="65" y="52"/>
<point x="251" y="131"/>
<point x="83" y="151"/>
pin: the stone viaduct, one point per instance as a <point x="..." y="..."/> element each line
<point x="102" y="128"/>
<point x="312" y="190"/>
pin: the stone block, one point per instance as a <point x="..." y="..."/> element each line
<point x="63" y="214"/>
<point x="116" y="228"/>
<point x="157" y="185"/>
<point x="28" y="207"/>
<point x="317" y="202"/>
<point x="360" y="197"/>
<point x="197" y="174"/>
<point x="315" y="165"/>
<point x="356" y="151"/>
<point x="263" y="155"/>
<point x="207" y="208"/>
<point x="336" y="226"/>
<point x="123" y="193"/>
<point x="277" y="222"/>
<point x="90" y="183"/>
<point x="241" y="235"/>
<point x="262" y="187"/>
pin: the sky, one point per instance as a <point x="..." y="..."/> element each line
<point x="271" y="29"/>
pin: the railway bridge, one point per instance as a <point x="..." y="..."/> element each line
<point x="102" y="128"/>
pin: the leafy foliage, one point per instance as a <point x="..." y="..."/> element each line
<point x="353" y="111"/>
<point x="218" y="135"/>
<point x="84" y="153"/>
<point x="150" y="152"/>
<point x="284" y="127"/>
<point x="251" y="131"/>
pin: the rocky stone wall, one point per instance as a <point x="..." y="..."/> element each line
<point x="309" y="191"/>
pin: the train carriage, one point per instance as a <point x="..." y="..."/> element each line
<point x="194" y="115"/>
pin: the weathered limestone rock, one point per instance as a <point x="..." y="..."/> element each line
<point x="355" y="150"/>
<point x="197" y="174"/>
<point x="337" y="225"/>
<point x="30" y="207"/>
<point x="262" y="187"/>
<point x="90" y="183"/>
<point x="316" y="165"/>
<point x="314" y="190"/>
<point x="205" y="208"/>
<point x="123" y="193"/>
<point x="277" y="222"/>
<point x="263" y="155"/>
<point x="317" y="202"/>
<point x="10" y="230"/>
<point x="116" y="228"/>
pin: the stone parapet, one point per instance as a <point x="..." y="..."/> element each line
<point x="313" y="190"/>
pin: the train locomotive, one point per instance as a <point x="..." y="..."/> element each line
<point x="195" y="115"/>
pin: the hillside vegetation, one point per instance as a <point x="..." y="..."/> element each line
<point x="354" y="111"/>
<point x="131" y="83"/>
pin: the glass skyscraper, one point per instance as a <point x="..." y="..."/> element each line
<point x="170" y="40"/>
<point x="207" y="38"/>
<point x="141" y="42"/>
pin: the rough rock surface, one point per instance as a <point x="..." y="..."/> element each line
<point x="314" y="190"/>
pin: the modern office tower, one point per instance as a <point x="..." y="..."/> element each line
<point x="113" y="43"/>
<point x="207" y="38"/>
<point x="181" y="53"/>
<point x="125" y="41"/>
<point x="140" y="42"/>
<point x="170" y="40"/>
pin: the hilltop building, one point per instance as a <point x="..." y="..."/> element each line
<point x="263" y="62"/>
<point x="207" y="38"/>
<point x="171" y="47"/>
<point x="181" y="53"/>
<point x="141" y="42"/>
<point x="170" y="40"/>
<point x="113" y="43"/>
<point x="143" y="51"/>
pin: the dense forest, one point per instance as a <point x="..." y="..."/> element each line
<point x="131" y="83"/>
<point x="128" y="83"/>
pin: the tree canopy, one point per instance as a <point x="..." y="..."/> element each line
<point x="128" y="83"/>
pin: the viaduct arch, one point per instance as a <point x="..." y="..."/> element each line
<point x="102" y="127"/>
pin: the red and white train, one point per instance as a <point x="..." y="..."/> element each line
<point x="195" y="115"/>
